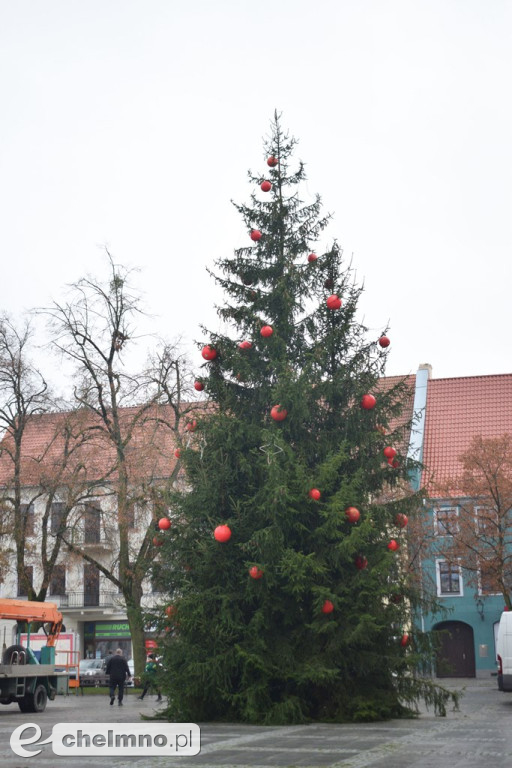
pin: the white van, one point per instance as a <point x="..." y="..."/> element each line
<point x="504" y="652"/>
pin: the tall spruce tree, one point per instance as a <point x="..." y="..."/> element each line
<point x="292" y="618"/>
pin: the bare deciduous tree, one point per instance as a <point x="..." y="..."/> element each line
<point x="136" y="417"/>
<point x="479" y="536"/>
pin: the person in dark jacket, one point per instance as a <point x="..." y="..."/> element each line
<point x="119" y="672"/>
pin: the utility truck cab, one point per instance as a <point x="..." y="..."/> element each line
<point x="504" y="652"/>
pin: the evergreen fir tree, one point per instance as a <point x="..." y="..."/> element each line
<point x="292" y="618"/>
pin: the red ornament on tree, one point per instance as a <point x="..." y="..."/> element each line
<point x="209" y="353"/>
<point x="267" y="331"/>
<point x="315" y="494"/>
<point x="393" y="545"/>
<point x="361" y="562"/>
<point x="157" y="542"/>
<point x="170" y="611"/>
<point x="266" y="186"/>
<point x="368" y="402"/>
<point x="278" y="413"/>
<point x="393" y="463"/>
<point x="245" y="345"/>
<point x="333" y="302"/>
<point x="384" y="341"/>
<point x="312" y="257"/>
<point x="164" y="523"/>
<point x="177" y="453"/>
<point x="255" y="572"/>
<point x="389" y="452"/>
<point x="401" y="520"/>
<point x="199" y="386"/>
<point x="352" y="514"/>
<point x="272" y="161"/>
<point x="222" y="533"/>
<point x="404" y="640"/>
<point x="191" y="426"/>
<point x="327" y="607"/>
<point x="255" y="235"/>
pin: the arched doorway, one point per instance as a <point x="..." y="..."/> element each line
<point x="456" y="653"/>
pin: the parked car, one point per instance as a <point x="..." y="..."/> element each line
<point x="92" y="672"/>
<point x="504" y="652"/>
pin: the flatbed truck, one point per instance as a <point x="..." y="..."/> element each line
<point x="24" y="679"/>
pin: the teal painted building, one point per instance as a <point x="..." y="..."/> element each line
<point x="449" y="413"/>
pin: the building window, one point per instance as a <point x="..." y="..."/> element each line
<point x="446" y="521"/>
<point x="56" y="516"/>
<point x="487" y="523"/>
<point x="488" y="580"/>
<point x="58" y="580"/>
<point x="449" y="579"/>
<point x="92" y="524"/>
<point x="91" y="585"/>
<point x="27" y="515"/>
<point x="29" y="573"/>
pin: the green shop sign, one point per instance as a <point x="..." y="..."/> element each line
<point x="112" y="629"/>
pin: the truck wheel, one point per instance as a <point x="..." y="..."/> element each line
<point x="34" y="702"/>
<point x="12" y="650"/>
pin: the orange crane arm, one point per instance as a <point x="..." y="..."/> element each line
<point x="30" y="610"/>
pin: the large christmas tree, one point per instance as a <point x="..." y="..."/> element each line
<point x="286" y="602"/>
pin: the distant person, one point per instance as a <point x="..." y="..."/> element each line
<point x="150" y="678"/>
<point x="119" y="672"/>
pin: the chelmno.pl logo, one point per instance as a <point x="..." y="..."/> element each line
<point x="170" y="739"/>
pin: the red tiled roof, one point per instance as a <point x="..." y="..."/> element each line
<point x="150" y="452"/>
<point x="458" y="410"/>
<point x="385" y="384"/>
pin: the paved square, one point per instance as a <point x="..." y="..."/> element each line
<point x="478" y="736"/>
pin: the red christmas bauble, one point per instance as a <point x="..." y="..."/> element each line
<point x="157" y="542"/>
<point x="327" y="607"/>
<point x="272" y="161"/>
<point x="164" y="523"/>
<point x="191" y="426"/>
<point x="222" y="533"/>
<point x="266" y="186"/>
<point x="401" y="520"/>
<point x="315" y="494"/>
<point x="384" y="341"/>
<point x="333" y="302"/>
<point x="267" y="331"/>
<point x="199" y="386"/>
<point x="389" y="452"/>
<point x="312" y="257"/>
<point x="368" y="402"/>
<point x="352" y="514"/>
<point x="361" y="562"/>
<point x="177" y="453"/>
<point x="393" y="545"/>
<point x="404" y="640"/>
<point x="255" y="572"/>
<point x="278" y="413"/>
<point x="245" y="345"/>
<point x="209" y="353"/>
<point x="170" y="611"/>
<point x="255" y="235"/>
<point x="393" y="463"/>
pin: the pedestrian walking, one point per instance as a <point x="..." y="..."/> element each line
<point x="119" y="672"/>
<point x="150" y="677"/>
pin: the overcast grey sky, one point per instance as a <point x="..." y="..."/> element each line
<point x="132" y="124"/>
